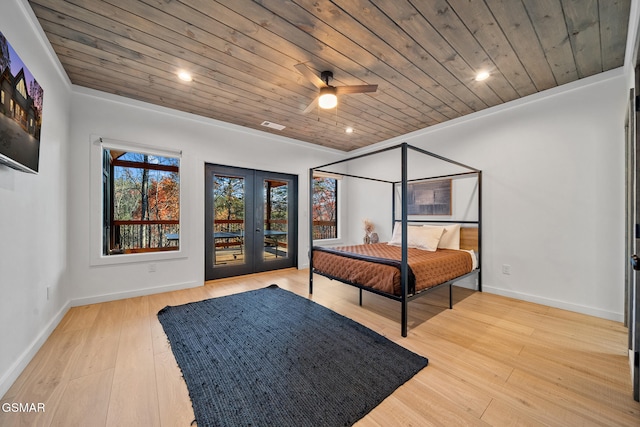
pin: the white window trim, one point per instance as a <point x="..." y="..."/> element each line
<point x="97" y="258"/>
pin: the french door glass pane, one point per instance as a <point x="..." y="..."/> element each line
<point x="276" y="219"/>
<point x="229" y="220"/>
<point x="250" y="221"/>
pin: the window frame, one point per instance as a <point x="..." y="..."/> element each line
<point x="338" y="210"/>
<point x="97" y="256"/>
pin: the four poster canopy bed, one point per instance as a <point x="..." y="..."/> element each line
<point x="431" y="245"/>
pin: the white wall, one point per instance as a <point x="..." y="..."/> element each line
<point x="376" y="206"/>
<point x="33" y="210"/>
<point x="553" y="192"/>
<point x="201" y="140"/>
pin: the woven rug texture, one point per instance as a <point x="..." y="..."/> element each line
<point x="272" y="358"/>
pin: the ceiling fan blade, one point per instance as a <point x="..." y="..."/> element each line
<point x="310" y="75"/>
<point x="356" y="89"/>
<point x="311" y="106"/>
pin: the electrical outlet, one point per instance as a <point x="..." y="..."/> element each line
<point x="506" y="269"/>
<point x="152" y="267"/>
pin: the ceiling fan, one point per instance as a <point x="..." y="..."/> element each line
<point x="327" y="98"/>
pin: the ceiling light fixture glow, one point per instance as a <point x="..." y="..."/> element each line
<point x="349" y="129"/>
<point x="184" y="76"/>
<point x="482" y="75"/>
<point x="328" y="98"/>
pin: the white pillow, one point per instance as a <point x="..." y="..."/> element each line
<point x="450" y="238"/>
<point x="396" y="238"/>
<point x="417" y="237"/>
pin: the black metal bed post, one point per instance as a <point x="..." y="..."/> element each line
<point x="311" y="231"/>
<point x="393" y="205"/>
<point x="404" y="268"/>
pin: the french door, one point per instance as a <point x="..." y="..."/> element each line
<point x="250" y="221"/>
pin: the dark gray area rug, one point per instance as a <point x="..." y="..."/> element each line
<point x="272" y="358"/>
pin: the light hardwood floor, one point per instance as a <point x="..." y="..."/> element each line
<point x="492" y="361"/>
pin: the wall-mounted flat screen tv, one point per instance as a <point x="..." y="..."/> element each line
<point x="20" y="112"/>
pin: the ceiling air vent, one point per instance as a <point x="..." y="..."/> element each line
<point x="272" y="125"/>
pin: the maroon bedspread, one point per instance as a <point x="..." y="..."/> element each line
<point x="378" y="266"/>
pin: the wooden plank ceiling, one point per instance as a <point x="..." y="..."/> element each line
<point x="423" y="55"/>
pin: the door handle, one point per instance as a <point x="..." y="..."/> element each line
<point x="635" y="262"/>
<point x="257" y="230"/>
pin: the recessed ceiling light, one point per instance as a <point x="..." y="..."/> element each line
<point x="349" y="129"/>
<point x="185" y="76"/>
<point x="482" y="75"/>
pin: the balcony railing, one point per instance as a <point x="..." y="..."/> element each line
<point x="325" y="230"/>
<point x="145" y="236"/>
<point x="148" y="236"/>
<point x="236" y="226"/>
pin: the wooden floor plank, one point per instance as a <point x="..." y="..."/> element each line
<point x="100" y="350"/>
<point x="499" y="413"/>
<point x="456" y="390"/>
<point x="492" y="361"/>
<point x="45" y="379"/>
<point x="159" y="339"/>
<point x="91" y="391"/>
<point x="79" y="317"/>
<point x="596" y="409"/>
<point x="173" y="397"/>
<point x="134" y="373"/>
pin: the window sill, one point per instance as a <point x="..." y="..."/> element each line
<point x="139" y="257"/>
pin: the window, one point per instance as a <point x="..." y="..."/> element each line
<point x="21" y="88"/>
<point x="325" y="208"/>
<point x="141" y="202"/>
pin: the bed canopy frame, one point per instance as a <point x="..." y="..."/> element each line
<point x="340" y="168"/>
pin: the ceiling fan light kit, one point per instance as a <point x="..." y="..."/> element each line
<point x="327" y="98"/>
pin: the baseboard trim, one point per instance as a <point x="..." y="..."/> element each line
<point x="591" y="311"/>
<point x="19" y="365"/>
<point x="132" y="294"/>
